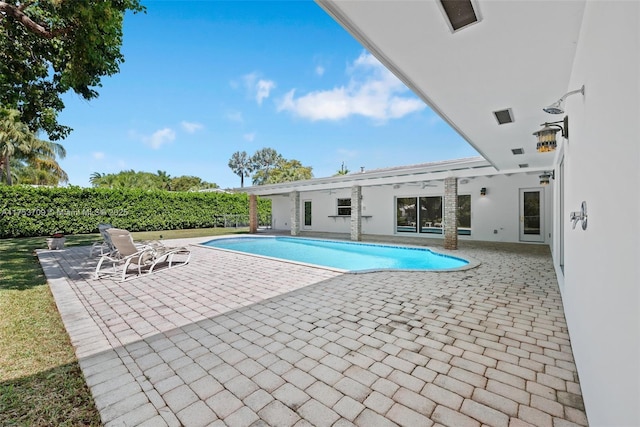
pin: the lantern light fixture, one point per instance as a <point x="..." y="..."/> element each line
<point x="483" y="191"/>
<point x="546" y="176"/>
<point x="547" y="135"/>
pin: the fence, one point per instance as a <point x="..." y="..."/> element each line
<point x="241" y="220"/>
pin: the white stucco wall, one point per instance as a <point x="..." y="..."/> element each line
<point x="280" y="213"/>
<point x="602" y="159"/>
<point x="494" y="217"/>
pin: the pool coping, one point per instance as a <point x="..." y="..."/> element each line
<point x="471" y="262"/>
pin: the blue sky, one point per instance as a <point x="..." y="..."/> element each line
<point x="203" y="79"/>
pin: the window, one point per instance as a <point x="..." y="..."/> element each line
<point x="464" y="214"/>
<point x="406" y="215"/>
<point x="428" y="212"/>
<point x="431" y="215"/>
<point x="344" y="207"/>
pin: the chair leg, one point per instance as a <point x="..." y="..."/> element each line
<point x="124" y="269"/>
<point x="97" y="275"/>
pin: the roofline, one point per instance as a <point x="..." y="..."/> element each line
<point x="435" y="171"/>
<point x="330" y="6"/>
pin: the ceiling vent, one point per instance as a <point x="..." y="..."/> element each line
<point x="517" y="151"/>
<point x="503" y="116"/>
<point x="523" y="165"/>
<point x="459" y="13"/>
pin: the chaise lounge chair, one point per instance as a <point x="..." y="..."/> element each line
<point x="105" y="246"/>
<point x="144" y="258"/>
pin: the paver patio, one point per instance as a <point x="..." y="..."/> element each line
<point x="235" y="340"/>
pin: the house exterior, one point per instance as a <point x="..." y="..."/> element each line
<point x="489" y="77"/>
<point x="410" y="201"/>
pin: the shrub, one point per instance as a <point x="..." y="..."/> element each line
<point x="39" y="211"/>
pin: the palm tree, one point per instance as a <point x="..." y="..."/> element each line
<point x="15" y="138"/>
<point x="165" y="180"/>
<point x="34" y="158"/>
<point x="343" y="170"/>
<point x="241" y="164"/>
<point x="96" y="179"/>
<point x="41" y="157"/>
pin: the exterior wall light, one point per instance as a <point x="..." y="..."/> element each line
<point x="483" y="191"/>
<point x="546" y="176"/>
<point x="547" y="135"/>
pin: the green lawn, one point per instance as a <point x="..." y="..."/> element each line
<point x="40" y="381"/>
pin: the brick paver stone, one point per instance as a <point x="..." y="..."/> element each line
<point x="235" y="340"/>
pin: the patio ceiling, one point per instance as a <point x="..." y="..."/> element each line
<point x="518" y="56"/>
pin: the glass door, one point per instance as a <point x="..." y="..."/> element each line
<point x="561" y="213"/>
<point x="531" y="218"/>
<point x="307" y="214"/>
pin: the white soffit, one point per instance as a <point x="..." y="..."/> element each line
<point x="519" y="57"/>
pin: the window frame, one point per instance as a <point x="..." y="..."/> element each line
<point x="344" y="208"/>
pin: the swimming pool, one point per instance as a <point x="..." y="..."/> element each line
<point x="349" y="256"/>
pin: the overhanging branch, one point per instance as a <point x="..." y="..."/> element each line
<point x="34" y="27"/>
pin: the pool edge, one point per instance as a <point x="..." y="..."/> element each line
<point x="471" y="262"/>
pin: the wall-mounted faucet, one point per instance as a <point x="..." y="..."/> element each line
<point x="580" y="215"/>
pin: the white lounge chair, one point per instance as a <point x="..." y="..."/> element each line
<point x="144" y="258"/>
<point x="105" y="246"/>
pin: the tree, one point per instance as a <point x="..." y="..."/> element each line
<point x="96" y="179"/>
<point x="149" y="181"/>
<point x="288" y="171"/>
<point x="165" y="179"/>
<point x="52" y="46"/>
<point x="33" y="158"/>
<point x="268" y="167"/>
<point x="241" y="165"/>
<point x="263" y="161"/>
<point x="15" y="138"/>
<point x="39" y="165"/>
<point x="343" y="170"/>
<point x="190" y="183"/>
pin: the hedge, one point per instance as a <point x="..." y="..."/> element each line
<point x="40" y="211"/>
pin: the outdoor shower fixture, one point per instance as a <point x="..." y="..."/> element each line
<point x="579" y="216"/>
<point x="547" y="135"/>
<point x="556" y="107"/>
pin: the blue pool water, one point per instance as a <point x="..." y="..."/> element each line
<point x="342" y="255"/>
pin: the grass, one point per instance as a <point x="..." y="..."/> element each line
<point x="40" y="381"/>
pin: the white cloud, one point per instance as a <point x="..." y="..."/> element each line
<point x="98" y="155"/>
<point x="372" y="92"/>
<point x="263" y="89"/>
<point x="250" y="137"/>
<point x="191" y="127"/>
<point x="320" y="70"/>
<point x="159" y="138"/>
<point x="258" y="87"/>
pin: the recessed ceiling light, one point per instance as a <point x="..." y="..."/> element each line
<point x="459" y="12"/>
<point x="517" y="151"/>
<point x="523" y="165"/>
<point x="503" y="116"/>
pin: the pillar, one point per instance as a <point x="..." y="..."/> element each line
<point x="294" y="198"/>
<point x="356" y="213"/>
<point x="253" y="213"/>
<point x="451" y="213"/>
